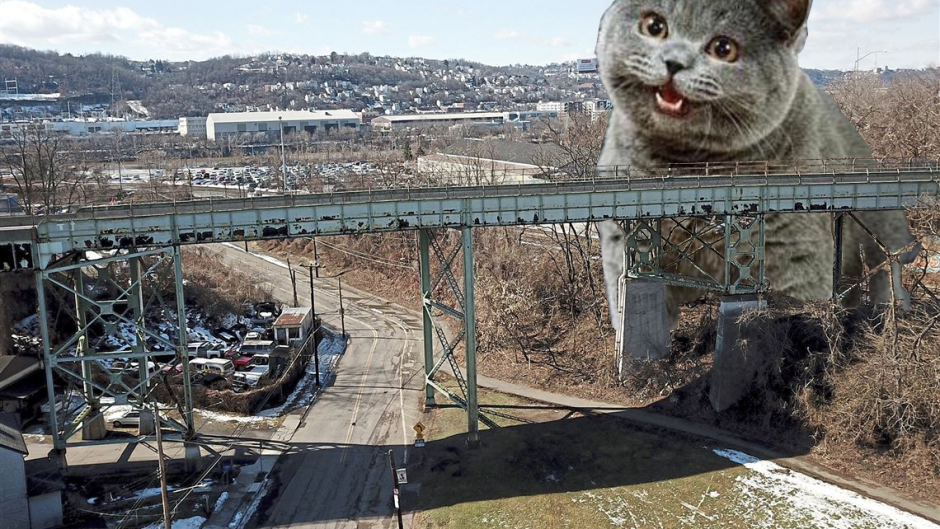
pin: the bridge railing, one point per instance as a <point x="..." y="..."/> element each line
<point x="464" y="181"/>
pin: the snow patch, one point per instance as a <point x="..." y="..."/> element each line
<point x="329" y="351"/>
<point x="220" y="502"/>
<point x="826" y="505"/>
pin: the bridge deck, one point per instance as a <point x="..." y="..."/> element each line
<point x="228" y="220"/>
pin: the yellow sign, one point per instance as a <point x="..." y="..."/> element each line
<point x="419" y="429"/>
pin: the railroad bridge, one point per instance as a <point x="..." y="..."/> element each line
<point x="122" y="249"/>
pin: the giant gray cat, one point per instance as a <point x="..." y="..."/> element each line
<point x="715" y="81"/>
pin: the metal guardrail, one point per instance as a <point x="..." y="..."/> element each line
<point x="606" y="178"/>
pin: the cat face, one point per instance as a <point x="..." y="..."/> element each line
<point x="703" y="75"/>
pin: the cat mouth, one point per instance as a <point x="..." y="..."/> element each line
<point x="670" y="102"/>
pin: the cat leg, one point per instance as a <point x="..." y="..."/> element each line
<point x="613" y="243"/>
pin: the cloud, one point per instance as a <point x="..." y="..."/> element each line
<point x="374" y="27"/>
<point x="35" y="26"/>
<point x="420" y="41"/>
<point x="873" y="10"/>
<point x="258" y="31"/>
<point x="507" y="34"/>
<point x="300" y="17"/>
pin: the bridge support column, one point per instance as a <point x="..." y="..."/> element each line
<point x="644" y="323"/>
<point x="473" y="411"/>
<point x="182" y="343"/>
<point x="444" y="295"/>
<point x="48" y="362"/>
<point x="110" y="307"/>
<point x="424" y="239"/>
<point x="733" y="371"/>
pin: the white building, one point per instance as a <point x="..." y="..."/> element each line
<point x="219" y="125"/>
<point x="93" y="126"/>
<point x="195" y="127"/>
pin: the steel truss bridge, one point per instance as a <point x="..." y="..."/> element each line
<point x="107" y="268"/>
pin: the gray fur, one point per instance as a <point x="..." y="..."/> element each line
<point x="761" y="107"/>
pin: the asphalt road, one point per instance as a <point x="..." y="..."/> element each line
<point x="336" y="473"/>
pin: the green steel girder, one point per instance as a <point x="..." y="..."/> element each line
<point x="236" y="220"/>
<point x="97" y="305"/>
<point x="465" y="315"/>
<point x="654" y="252"/>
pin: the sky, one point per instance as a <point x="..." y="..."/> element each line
<point x="496" y="32"/>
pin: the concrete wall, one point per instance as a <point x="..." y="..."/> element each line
<point x="45" y="510"/>
<point x="14" y="506"/>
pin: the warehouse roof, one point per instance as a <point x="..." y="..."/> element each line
<point x="440" y="117"/>
<point x="506" y="151"/>
<point x="287" y="115"/>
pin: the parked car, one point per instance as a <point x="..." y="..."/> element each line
<point x="205" y="350"/>
<point x="215" y="366"/>
<point x="241" y="363"/>
<point x="128" y="418"/>
<point x="252" y="377"/>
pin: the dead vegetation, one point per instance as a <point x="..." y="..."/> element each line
<point x="219" y="290"/>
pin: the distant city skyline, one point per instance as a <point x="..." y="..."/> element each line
<point x="486" y="31"/>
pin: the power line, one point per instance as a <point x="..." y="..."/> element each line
<point x="367" y="257"/>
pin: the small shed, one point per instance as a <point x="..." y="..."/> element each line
<point x="295" y="323"/>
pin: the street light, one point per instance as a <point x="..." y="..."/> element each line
<point x="859" y="57"/>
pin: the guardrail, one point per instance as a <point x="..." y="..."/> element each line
<point x="606" y="178"/>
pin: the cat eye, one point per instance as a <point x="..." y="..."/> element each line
<point x="654" y="25"/>
<point x="724" y="49"/>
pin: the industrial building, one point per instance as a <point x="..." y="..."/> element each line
<point x="489" y="119"/>
<point x="491" y="161"/>
<point x="195" y="127"/>
<point x="321" y="121"/>
<point x="94" y="126"/>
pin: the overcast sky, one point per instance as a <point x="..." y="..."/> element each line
<point x="496" y="32"/>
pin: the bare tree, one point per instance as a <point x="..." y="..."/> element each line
<point x="43" y="168"/>
<point x="898" y="117"/>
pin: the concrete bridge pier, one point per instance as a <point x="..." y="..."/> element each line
<point x="643" y="332"/>
<point x="732" y="370"/>
<point x="94" y="428"/>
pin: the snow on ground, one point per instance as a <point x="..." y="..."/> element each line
<point x="220" y="502"/>
<point x="268" y="258"/>
<point x="189" y="523"/>
<point x="329" y="350"/>
<point x="225" y="417"/>
<point x="770" y="487"/>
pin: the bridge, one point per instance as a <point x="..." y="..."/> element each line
<point x="103" y="262"/>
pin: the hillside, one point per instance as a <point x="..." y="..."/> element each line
<point x="359" y="82"/>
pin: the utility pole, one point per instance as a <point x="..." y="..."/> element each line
<point x="293" y="281"/>
<point x="342" y="311"/>
<point x="316" y="257"/>
<point x="313" y="309"/>
<point x="161" y="464"/>
<point x="395" y="492"/>
<point x="280" y="122"/>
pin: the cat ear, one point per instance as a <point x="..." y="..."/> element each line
<point x="792" y="15"/>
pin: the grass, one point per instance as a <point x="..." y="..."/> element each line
<point x="570" y="470"/>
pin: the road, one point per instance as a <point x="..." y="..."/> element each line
<point x="336" y="474"/>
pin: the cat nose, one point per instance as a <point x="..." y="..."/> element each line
<point x="674" y="67"/>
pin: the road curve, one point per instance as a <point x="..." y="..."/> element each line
<point x="336" y="473"/>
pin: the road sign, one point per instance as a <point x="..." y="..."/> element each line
<point x="419" y="435"/>
<point x="402" y="476"/>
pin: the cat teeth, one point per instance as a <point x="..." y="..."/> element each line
<point x="666" y="105"/>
